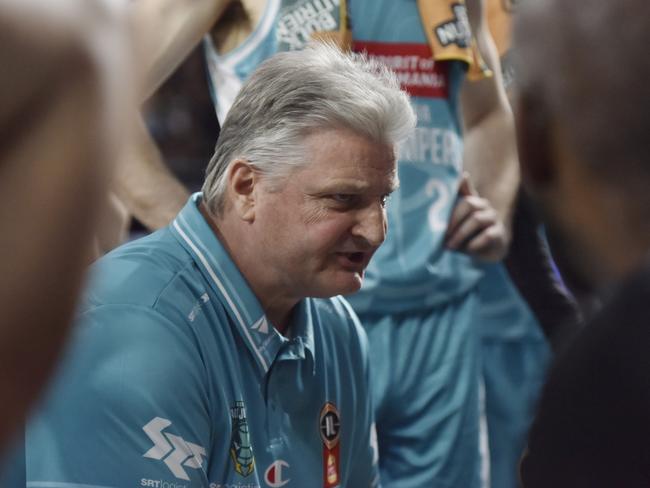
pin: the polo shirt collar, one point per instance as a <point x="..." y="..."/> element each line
<point x="301" y="341"/>
<point x="262" y="339"/>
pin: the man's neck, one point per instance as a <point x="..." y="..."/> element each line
<point x="277" y="306"/>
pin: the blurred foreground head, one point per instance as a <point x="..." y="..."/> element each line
<point x="64" y="92"/>
<point x="583" y="111"/>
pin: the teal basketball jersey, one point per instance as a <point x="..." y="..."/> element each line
<point x="413" y="270"/>
<point x="285" y="25"/>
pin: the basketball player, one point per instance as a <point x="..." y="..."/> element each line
<point x="584" y="151"/>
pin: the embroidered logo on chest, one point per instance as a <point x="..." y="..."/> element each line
<point x="241" y="451"/>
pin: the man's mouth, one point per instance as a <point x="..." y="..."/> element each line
<point x="355" y="261"/>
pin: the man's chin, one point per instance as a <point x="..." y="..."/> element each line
<point x="345" y="283"/>
<point x="352" y="283"/>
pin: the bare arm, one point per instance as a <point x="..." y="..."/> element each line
<point x="490" y="150"/>
<point x="145" y="185"/>
<point x="167" y="31"/>
<point x="59" y="127"/>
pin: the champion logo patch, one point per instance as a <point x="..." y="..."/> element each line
<point x="275" y="474"/>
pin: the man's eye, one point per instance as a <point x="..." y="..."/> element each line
<point x="384" y="200"/>
<point x="342" y="197"/>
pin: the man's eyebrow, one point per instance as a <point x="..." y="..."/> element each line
<point x="355" y="185"/>
<point x="345" y="185"/>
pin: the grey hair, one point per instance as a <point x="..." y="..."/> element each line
<point x="294" y="93"/>
<point x="585" y="64"/>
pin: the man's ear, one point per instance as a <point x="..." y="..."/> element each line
<point x="534" y="142"/>
<point x="242" y="179"/>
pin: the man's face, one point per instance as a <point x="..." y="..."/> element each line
<point x="318" y="231"/>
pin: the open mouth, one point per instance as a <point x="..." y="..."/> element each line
<point x="353" y="260"/>
<point x="356" y="257"/>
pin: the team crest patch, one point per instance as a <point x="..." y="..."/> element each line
<point x="330" y="433"/>
<point x="241" y="451"/>
<point x="456" y="30"/>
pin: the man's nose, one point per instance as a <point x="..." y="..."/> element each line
<point x="371" y="225"/>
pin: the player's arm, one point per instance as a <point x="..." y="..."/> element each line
<point x="145" y="185"/>
<point x="167" y="31"/>
<point x="490" y="150"/>
<point x="65" y="84"/>
<point x="474" y="226"/>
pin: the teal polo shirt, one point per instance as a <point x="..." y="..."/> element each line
<point x="175" y="378"/>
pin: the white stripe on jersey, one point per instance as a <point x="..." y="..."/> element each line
<point x="219" y="284"/>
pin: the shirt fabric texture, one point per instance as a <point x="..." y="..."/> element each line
<point x="176" y="378"/>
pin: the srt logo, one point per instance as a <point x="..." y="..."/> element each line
<point x="175" y="451"/>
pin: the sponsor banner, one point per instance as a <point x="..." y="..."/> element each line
<point x="418" y="73"/>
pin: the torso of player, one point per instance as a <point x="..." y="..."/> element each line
<point x="241" y="18"/>
<point x="251" y="31"/>
<point x="413" y="269"/>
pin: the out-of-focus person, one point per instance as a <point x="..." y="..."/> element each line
<point x="64" y="90"/>
<point x="582" y="115"/>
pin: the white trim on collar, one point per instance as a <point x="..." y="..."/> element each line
<point x="225" y="294"/>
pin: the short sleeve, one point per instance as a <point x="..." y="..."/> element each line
<point x="128" y="408"/>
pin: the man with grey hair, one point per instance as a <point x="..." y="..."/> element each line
<point x="583" y="116"/>
<point x="210" y="353"/>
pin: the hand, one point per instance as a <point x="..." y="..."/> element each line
<point x="474" y="227"/>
